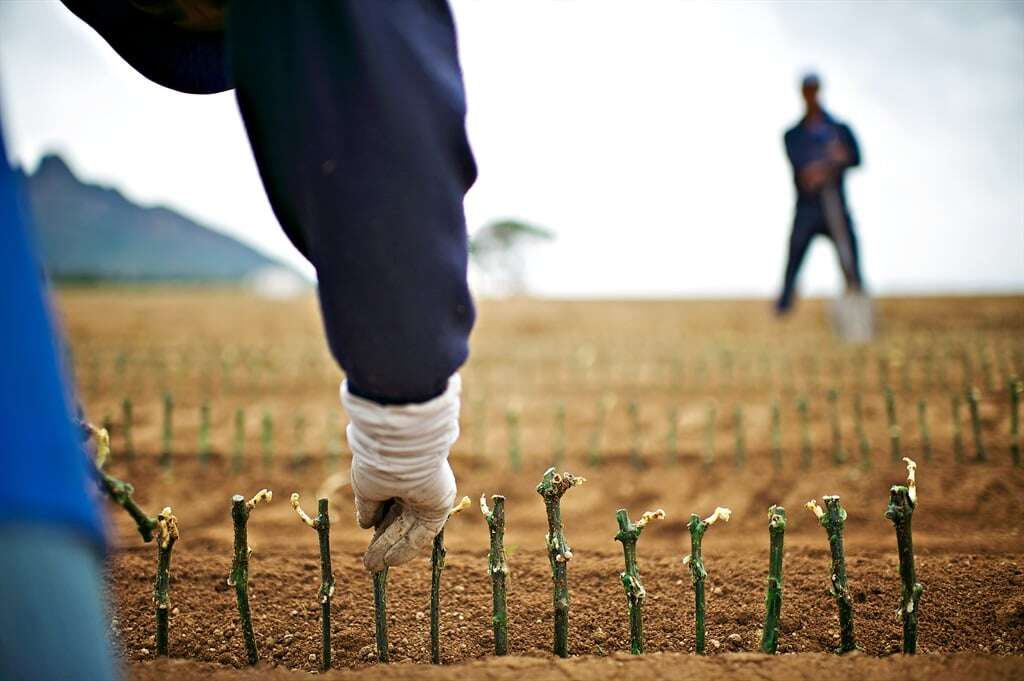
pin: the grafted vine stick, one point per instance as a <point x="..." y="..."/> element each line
<point x="773" y="595"/>
<point x="166" y="536"/>
<point x="776" y="437"/>
<point x="832" y="518"/>
<point x="239" y="577"/>
<point x="436" y="568"/>
<point x="902" y="502"/>
<point x="392" y="510"/>
<point x="628" y="534"/>
<point x="551" y="489"/>
<point x="958" y="438"/>
<point x="973" y="397"/>
<point x="119" y="491"/>
<point x="922" y="424"/>
<point x="838" y="453"/>
<point x="322" y="524"/>
<point x="740" y="435"/>
<point x="695" y="561"/>
<point x="862" y="437"/>
<point x="380" y="610"/>
<point x="165" y="527"/>
<point x="497" y="565"/>
<point x="894" y="427"/>
<point x="806" y="448"/>
<point x="1016" y="388"/>
<point x="167" y="435"/>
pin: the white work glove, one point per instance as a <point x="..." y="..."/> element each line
<point x="400" y="453"/>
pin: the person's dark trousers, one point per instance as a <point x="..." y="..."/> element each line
<point x="355" y="111"/>
<point x="809" y="223"/>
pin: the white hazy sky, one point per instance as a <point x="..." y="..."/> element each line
<point x="646" y="134"/>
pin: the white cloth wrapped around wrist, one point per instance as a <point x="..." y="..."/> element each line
<point x="401" y="452"/>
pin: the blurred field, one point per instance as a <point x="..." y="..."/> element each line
<point x="658" y="403"/>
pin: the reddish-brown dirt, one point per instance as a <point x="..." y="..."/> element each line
<point x="968" y="528"/>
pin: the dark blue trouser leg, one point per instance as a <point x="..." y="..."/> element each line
<point x="805" y="228"/>
<point x="806" y="225"/>
<point x="355" y="111"/>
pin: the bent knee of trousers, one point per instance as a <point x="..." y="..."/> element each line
<point x="402" y="351"/>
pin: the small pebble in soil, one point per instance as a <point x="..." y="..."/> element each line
<point x="459" y="588"/>
<point x="176" y="612"/>
<point x="294" y="613"/>
<point x="735" y="640"/>
<point x="420" y="614"/>
<point x="715" y="643"/>
<point x="366" y="652"/>
<point x="143" y="651"/>
<point x="312" y="657"/>
<point x="718" y="591"/>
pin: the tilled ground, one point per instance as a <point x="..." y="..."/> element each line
<point x="637" y="361"/>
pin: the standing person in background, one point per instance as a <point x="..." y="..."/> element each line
<point x="820" y="149"/>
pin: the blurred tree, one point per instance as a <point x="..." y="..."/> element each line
<point x="499" y="250"/>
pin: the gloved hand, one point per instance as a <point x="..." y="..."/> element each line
<point x="400" y="452"/>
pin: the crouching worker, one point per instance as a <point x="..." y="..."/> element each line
<point x="355" y="112"/>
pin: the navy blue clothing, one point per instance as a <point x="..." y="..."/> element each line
<point x="44" y="478"/>
<point x="806" y="144"/>
<point x="356" y="114"/>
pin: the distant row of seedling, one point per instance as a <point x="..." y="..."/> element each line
<point x="956" y="367"/>
<point x="839" y="453"/>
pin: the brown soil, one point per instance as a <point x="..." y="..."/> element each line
<point x="968" y="529"/>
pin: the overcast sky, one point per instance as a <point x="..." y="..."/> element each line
<point x="647" y="135"/>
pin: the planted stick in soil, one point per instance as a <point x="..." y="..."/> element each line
<point x="709" y="436"/>
<point x="922" y="423"/>
<point x="239" y="577"/>
<point x="636" y="428"/>
<point x="741" y="436"/>
<point x="958" y="437"/>
<point x="238" y="450"/>
<point x="628" y="534"/>
<point x="267" y="439"/>
<point x="497" y="565"/>
<point x="776" y="436"/>
<point x="862" y="437"/>
<point x="672" y="436"/>
<point x="380" y="614"/>
<point x="166" y="536"/>
<point x="127" y="424"/>
<point x="806" y="448"/>
<point x="551" y="489"/>
<point x="167" y="432"/>
<point x="902" y="502"/>
<point x="203" y="451"/>
<point x="558" y="450"/>
<point x="322" y="524"/>
<point x="838" y="454"/>
<point x="894" y="428"/>
<point x="436" y="568"/>
<point x="832" y="518"/>
<point x="120" y="492"/>
<point x="1016" y="388"/>
<point x="973" y="396"/>
<point x="380" y="588"/>
<point x="773" y="596"/>
<point x="512" y="426"/>
<point x="695" y="561"/>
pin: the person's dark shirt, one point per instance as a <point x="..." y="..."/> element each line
<point x="808" y="142"/>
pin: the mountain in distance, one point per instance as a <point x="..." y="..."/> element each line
<point x="89" y="233"/>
